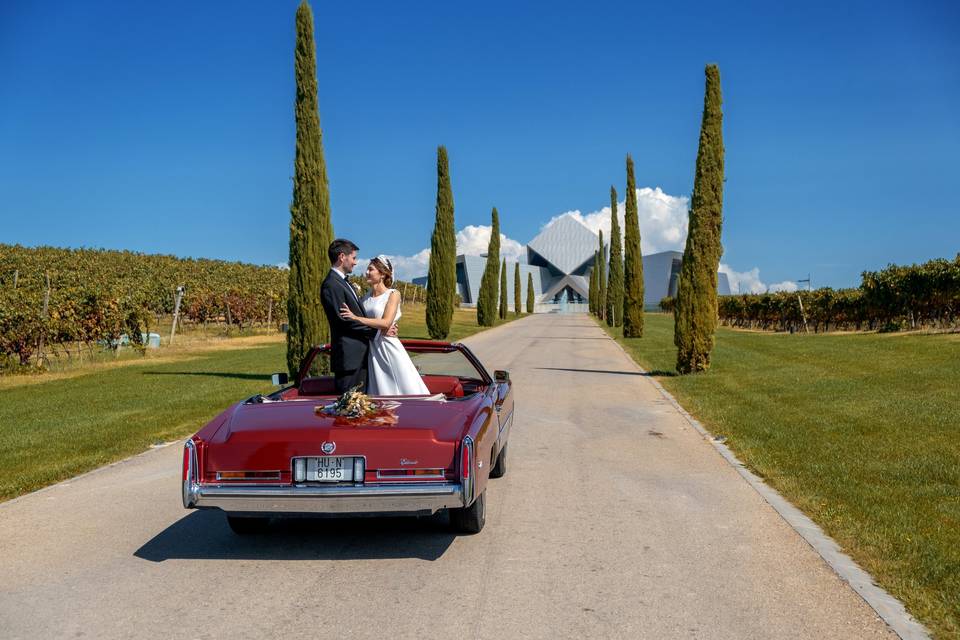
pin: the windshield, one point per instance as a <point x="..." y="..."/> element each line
<point x="453" y="363"/>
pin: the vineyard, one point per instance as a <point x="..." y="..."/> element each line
<point x="53" y="298"/>
<point x="925" y="296"/>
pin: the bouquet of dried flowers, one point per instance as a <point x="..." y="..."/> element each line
<point x="352" y="404"/>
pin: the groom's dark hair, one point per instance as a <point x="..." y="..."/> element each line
<point x="338" y="246"/>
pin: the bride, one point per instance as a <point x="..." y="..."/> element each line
<point x="390" y="370"/>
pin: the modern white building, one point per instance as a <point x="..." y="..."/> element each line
<point x="561" y="259"/>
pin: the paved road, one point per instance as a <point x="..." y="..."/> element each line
<point x="615" y="520"/>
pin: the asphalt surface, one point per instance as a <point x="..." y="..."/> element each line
<point x="615" y="520"/>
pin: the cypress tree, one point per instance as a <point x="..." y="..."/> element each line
<point x="592" y="287"/>
<point x="605" y="285"/>
<point x="503" y="290"/>
<point x="632" y="262"/>
<point x="695" y="317"/>
<point x="516" y="288"/>
<point x="442" y="274"/>
<point x="311" y="230"/>
<point x="529" y="292"/>
<point x="615" y="286"/>
<point x="487" y="297"/>
<point x="602" y="280"/>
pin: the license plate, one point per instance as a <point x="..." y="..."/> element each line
<point x="330" y="469"/>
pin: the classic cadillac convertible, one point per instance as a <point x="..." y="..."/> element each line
<point x="277" y="455"/>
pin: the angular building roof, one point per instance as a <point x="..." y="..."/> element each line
<point x="566" y="244"/>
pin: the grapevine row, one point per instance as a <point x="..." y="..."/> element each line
<point x="924" y="296"/>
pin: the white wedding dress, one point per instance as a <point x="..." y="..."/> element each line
<point x="391" y="372"/>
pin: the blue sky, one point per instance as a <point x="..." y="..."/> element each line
<point x="168" y="127"/>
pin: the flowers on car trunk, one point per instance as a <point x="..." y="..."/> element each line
<point x="352" y="404"/>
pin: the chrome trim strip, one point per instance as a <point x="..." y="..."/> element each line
<point x="191" y="488"/>
<point x="333" y="499"/>
<point x="470" y="481"/>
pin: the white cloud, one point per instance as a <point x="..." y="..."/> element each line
<point x="786" y="285"/>
<point x="472" y="240"/>
<point x="750" y="282"/>
<point x="404" y="267"/>
<point x="663" y="220"/>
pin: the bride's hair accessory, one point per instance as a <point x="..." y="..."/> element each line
<point x="385" y="261"/>
<point x="385" y="267"/>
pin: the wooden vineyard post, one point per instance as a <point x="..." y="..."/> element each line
<point x="803" y="315"/>
<point x="16" y="276"/>
<point x="176" y="312"/>
<point x="270" y="311"/>
<point x="46" y="305"/>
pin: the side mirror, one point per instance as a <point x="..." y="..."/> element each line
<point x="279" y="379"/>
<point x="501" y="376"/>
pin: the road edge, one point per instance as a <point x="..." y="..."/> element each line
<point x="889" y="608"/>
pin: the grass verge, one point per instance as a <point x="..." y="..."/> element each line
<point x="53" y="428"/>
<point x="860" y="431"/>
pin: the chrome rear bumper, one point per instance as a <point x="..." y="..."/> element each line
<point x="357" y="499"/>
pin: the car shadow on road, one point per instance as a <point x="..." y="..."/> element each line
<point x="205" y="535"/>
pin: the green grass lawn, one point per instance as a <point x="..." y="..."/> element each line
<point x="861" y="431"/>
<point x="54" y="429"/>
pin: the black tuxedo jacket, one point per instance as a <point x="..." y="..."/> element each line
<point x="349" y="339"/>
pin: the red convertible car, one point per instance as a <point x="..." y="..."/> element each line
<point x="275" y="455"/>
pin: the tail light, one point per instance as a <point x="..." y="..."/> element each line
<point x="420" y="474"/>
<point x="248" y="475"/>
<point x="466" y="458"/>
<point x="186" y="464"/>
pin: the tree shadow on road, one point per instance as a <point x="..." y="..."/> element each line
<point x="656" y="372"/>
<point x="215" y="374"/>
<point x="204" y="535"/>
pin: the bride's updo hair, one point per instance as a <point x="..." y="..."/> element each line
<point x="385" y="267"/>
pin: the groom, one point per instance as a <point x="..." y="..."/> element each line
<point x="349" y="340"/>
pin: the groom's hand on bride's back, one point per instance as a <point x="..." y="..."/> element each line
<point x="393" y="331"/>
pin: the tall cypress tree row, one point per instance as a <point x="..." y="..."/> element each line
<point x="529" y="292"/>
<point x="311" y="230"/>
<point x="487" y="297"/>
<point x="516" y="288"/>
<point x="615" y="286"/>
<point x="695" y="317"/>
<point x="503" y="290"/>
<point x="632" y="262"/>
<point x="442" y="274"/>
<point x="602" y="280"/>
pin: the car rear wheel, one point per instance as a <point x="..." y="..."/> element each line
<point x="470" y="519"/>
<point x="500" y="466"/>
<point x="244" y="525"/>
